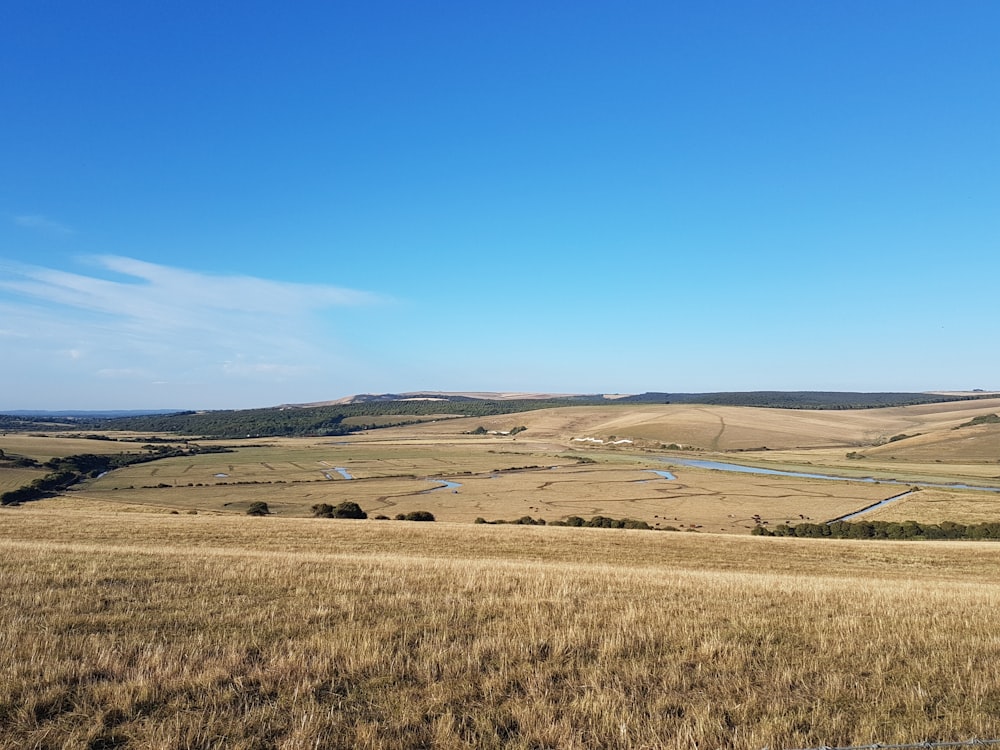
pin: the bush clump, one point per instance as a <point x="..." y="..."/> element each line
<point x="597" y="522"/>
<point x="981" y="419"/>
<point x="258" y="509"/>
<point x="346" y="509"/>
<point x="884" y="530"/>
<point x="415" y="515"/>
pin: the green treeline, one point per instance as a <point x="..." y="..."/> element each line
<point x="597" y="522"/>
<point x="884" y="530"/>
<point x="981" y="419"/>
<point x="10" y="423"/>
<point x="323" y="421"/>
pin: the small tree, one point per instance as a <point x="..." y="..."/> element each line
<point x="349" y="509"/>
<point x="420" y="515"/>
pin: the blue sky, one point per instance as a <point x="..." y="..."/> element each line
<point x="218" y="205"/>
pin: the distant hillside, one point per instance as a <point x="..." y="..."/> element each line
<point x="364" y="398"/>
<point x="797" y="399"/>
<point x="770" y="399"/>
<point x="85" y="414"/>
<point x="24" y="420"/>
<point x="332" y="419"/>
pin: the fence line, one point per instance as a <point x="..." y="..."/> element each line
<point x="880" y="746"/>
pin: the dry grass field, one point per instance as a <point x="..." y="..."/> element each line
<point x="12" y="478"/>
<point x="729" y="428"/>
<point x="126" y="621"/>
<point x="498" y="480"/>
<point x="42" y="447"/>
<point x="178" y="631"/>
<point x="549" y="471"/>
<point x="936" y="506"/>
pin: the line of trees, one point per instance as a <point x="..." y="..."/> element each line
<point x="597" y="522"/>
<point x="905" y="530"/>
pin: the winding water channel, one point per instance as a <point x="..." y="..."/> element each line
<point x="445" y="485"/>
<point x="720" y="466"/>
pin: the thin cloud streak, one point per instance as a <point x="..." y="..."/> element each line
<point x="43" y="224"/>
<point x="159" y="324"/>
<point x="165" y="295"/>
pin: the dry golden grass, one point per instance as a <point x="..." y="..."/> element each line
<point x="399" y="474"/>
<point x="622" y="487"/>
<point x="936" y="506"/>
<point x="726" y="428"/>
<point x="392" y="467"/>
<point x="154" y="631"/>
<point x="12" y="478"/>
<point x="42" y="447"/>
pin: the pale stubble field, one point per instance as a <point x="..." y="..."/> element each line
<point x="150" y="630"/>
<point x="126" y="621"/>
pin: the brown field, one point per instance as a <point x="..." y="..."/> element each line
<point x="936" y="506"/>
<point x="170" y="631"/>
<point x="42" y="447"/>
<point x="729" y="428"/>
<point x="126" y="621"/>
<point x="12" y="478"/>
<point x="498" y="480"/>
<point x="539" y="472"/>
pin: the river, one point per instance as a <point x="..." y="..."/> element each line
<point x="721" y="466"/>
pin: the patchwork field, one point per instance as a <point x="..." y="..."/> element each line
<point x="474" y="479"/>
<point x="580" y="461"/>
<point x="161" y="631"/>
<point x="143" y="608"/>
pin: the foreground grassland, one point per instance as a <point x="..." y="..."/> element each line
<point x="167" y="631"/>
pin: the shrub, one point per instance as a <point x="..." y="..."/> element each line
<point x="258" y="509"/>
<point x="632" y="523"/>
<point x="529" y="521"/>
<point x="349" y="509"/>
<point x="416" y="515"/>
<point x="981" y="419"/>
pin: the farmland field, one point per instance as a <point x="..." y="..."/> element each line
<point x="143" y="608"/>
<point x="12" y="478"/>
<point x="580" y="461"/>
<point x="165" y="631"/>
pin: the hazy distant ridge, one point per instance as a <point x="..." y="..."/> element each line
<point x="372" y="411"/>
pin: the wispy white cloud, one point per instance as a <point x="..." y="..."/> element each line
<point x="130" y="320"/>
<point x="172" y="297"/>
<point x="42" y="223"/>
<point x="130" y="373"/>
